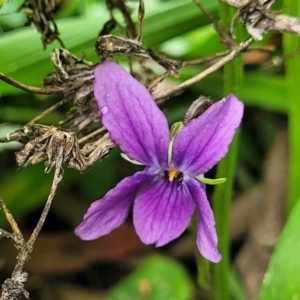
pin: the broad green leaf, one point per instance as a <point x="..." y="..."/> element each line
<point x="258" y="89"/>
<point x="173" y="19"/>
<point x="10" y="17"/>
<point x="158" y="278"/>
<point x="282" y="280"/>
<point x="195" y="43"/>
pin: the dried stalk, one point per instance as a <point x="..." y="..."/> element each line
<point x="31" y="89"/>
<point x="140" y="20"/>
<point x="224" y="36"/>
<point x="258" y="18"/>
<point x="219" y="64"/>
<point x="13" y="287"/>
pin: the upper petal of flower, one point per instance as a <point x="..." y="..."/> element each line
<point x="207" y="239"/>
<point x="110" y="212"/>
<point x="162" y="210"/>
<point x="205" y="140"/>
<point x="134" y="121"/>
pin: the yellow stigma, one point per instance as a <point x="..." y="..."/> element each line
<point x="173" y="174"/>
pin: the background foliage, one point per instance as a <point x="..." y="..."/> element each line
<point x="262" y="195"/>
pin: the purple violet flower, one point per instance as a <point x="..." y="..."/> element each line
<point x="165" y="194"/>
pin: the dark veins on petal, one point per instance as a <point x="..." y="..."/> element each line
<point x="134" y="129"/>
<point x="168" y="191"/>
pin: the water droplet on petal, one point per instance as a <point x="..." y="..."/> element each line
<point x="104" y="110"/>
<point x="107" y="95"/>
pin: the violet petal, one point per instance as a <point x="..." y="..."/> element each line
<point x="162" y="210"/>
<point x="205" y="140"/>
<point x="134" y="121"/>
<point x="207" y="239"/>
<point x="110" y="212"/>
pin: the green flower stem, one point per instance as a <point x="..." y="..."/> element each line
<point x="233" y="74"/>
<point x="292" y="67"/>
<point x="222" y="202"/>
<point x="203" y="265"/>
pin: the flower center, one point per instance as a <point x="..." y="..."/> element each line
<point x="173" y="174"/>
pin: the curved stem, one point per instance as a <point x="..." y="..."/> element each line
<point x="292" y="67"/>
<point x="233" y="74"/>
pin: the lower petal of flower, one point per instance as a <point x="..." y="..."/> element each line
<point x="162" y="210"/>
<point x="110" y="212"/>
<point x="207" y="239"/>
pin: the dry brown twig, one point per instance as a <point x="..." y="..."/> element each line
<point x="41" y="14"/>
<point x="28" y="88"/>
<point x="130" y="29"/>
<point x="258" y="18"/>
<point x="219" y="64"/>
<point x="224" y="36"/>
<point x="60" y="147"/>
<point x="13" y="287"/>
<point x="141" y="15"/>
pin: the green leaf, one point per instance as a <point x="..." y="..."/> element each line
<point x="282" y="280"/>
<point x="258" y="89"/>
<point x="158" y="278"/>
<point x="173" y="19"/>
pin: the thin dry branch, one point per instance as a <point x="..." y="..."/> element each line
<point x="13" y="287"/>
<point x="243" y="3"/>
<point x="140" y="20"/>
<point x="126" y="12"/>
<point x="41" y="14"/>
<point x="58" y="174"/>
<point x="31" y="89"/>
<point x="48" y="110"/>
<point x="224" y="36"/>
<point x="219" y="64"/>
<point x="279" y="22"/>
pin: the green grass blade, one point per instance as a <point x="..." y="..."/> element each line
<point x="282" y="280"/>
<point x="291" y="42"/>
<point x="222" y="195"/>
